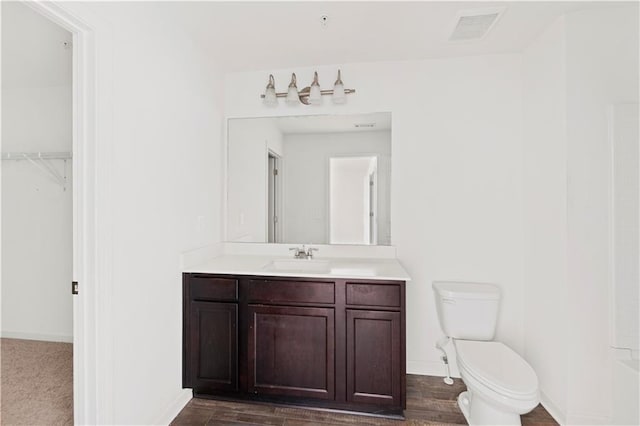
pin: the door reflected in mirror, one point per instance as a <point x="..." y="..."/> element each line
<point x="352" y="200"/>
<point x="322" y="179"/>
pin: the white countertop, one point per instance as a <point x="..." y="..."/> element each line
<point x="342" y="267"/>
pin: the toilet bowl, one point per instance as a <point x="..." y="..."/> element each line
<point x="500" y="384"/>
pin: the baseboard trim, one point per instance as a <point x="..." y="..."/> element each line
<point x="174" y="408"/>
<point x="430" y="368"/>
<point x="37" y="336"/>
<point x="553" y="409"/>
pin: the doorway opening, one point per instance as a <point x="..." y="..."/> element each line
<point x="38" y="221"/>
<point x="353" y="200"/>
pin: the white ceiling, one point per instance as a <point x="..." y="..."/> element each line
<point x="271" y="35"/>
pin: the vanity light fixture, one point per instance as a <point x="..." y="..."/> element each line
<point x="338" y="91"/>
<point x="315" y="96"/>
<point x="310" y="95"/>
<point x="292" y="92"/>
<point x="270" y="98"/>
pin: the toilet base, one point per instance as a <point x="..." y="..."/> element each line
<point x="477" y="411"/>
<point x="463" y="402"/>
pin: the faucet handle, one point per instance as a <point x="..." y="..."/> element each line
<point x="295" y="250"/>
<point x="310" y="251"/>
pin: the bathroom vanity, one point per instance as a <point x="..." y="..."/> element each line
<point x="317" y="333"/>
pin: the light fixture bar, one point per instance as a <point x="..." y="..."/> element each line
<point x="310" y="95"/>
<point x="306" y="90"/>
<point x="304" y="94"/>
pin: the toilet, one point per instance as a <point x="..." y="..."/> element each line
<point x="500" y="384"/>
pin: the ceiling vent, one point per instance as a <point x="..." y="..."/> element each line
<point x="474" y="24"/>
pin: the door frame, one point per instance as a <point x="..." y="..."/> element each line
<point x="93" y="365"/>
<point x="278" y="190"/>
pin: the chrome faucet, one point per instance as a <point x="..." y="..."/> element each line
<point x="303" y="253"/>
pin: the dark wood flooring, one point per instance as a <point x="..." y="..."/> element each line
<point x="429" y="401"/>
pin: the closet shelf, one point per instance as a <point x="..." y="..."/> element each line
<point x="36" y="155"/>
<point x="42" y="161"/>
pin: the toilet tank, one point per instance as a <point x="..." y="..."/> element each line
<point x="467" y="310"/>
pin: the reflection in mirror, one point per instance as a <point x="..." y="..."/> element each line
<point x="352" y="200"/>
<point x="310" y="179"/>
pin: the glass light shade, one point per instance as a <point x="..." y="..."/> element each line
<point x="270" y="98"/>
<point x="315" y="97"/>
<point x="292" y="93"/>
<point x="292" y="96"/>
<point x="339" y="97"/>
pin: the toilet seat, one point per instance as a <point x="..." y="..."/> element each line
<point x="499" y="368"/>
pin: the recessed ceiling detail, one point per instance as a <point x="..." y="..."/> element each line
<point x="474" y="24"/>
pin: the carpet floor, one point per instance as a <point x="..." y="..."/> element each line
<point x="36" y="382"/>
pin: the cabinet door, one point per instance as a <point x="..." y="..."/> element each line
<point x="373" y="357"/>
<point x="292" y="351"/>
<point x="214" y="346"/>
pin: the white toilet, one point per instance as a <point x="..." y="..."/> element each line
<point x="500" y="384"/>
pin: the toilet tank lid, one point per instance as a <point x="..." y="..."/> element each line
<point x="466" y="290"/>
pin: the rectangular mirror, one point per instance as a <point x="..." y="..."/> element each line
<point x="321" y="179"/>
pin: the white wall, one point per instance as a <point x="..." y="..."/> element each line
<point x="456" y="181"/>
<point x="573" y="72"/>
<point x="306" y="180"/>
<point x="159" y="110"/>
<point x="247" y="151"/>
<point x="625" y="193"/>
<point x="624" y="133"/>
<point x="544" y="214"/>
<point x="602" y="69"/>
<point x="36" y="214"/>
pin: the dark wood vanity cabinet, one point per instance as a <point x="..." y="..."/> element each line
<point x="314" y="342"/>
<point x="291" y="351"/>
<point x="214" y="345"/>
<point x="210" y="333"/>
<point x="373" y="357"/>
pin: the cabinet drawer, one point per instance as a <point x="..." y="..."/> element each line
<point x="210" y="288"/>
<point x="291" y="291"/>
<point x="370" y="294"/>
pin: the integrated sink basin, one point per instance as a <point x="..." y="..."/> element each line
<point x="298" y="265"/>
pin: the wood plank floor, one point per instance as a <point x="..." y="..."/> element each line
<point x="429" y="402"/>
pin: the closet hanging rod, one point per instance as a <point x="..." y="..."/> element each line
<point x="36" y="155"/>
